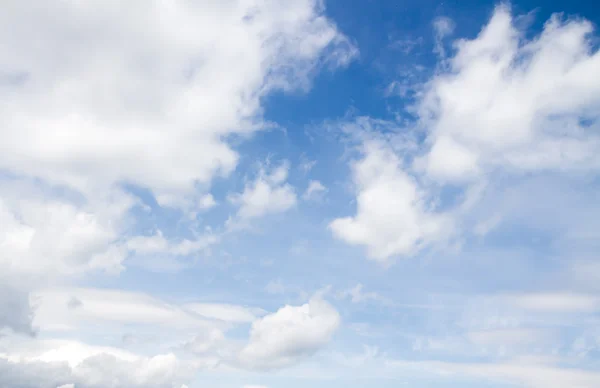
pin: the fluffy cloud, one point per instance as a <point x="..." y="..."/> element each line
<point x="502" y="105"/>
<point x="268" y="193"/>
<point x="290" y="334"/>
<point x="507" y="102"/>
<point x="82" y="366"/>
<point x="394" y="215"/>
<point x="150" y="102"/>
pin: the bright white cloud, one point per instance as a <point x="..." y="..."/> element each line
<point x="150" y="102"/>
<point x="507" y="102"/>
<point x="267" y="194"/>
<point x="394" y="215"/>
<point x="42" y="235"/>
<point x="290" y="334"/>
<point x="502" y="105"/>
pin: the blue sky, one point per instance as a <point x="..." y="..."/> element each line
<point x="263" y="194"/>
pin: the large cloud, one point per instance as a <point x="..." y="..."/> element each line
<point x="500" y="107"/>
<point x="100" y="94"/>
<point x="507" y="102"/>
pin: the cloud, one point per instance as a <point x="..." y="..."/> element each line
<point x="106" y="307"/>
<point x="151" y="102"/>
<point x="512" y="103"/>
<point x="394" y="215"/>
<point x="501" y="107"/>
<point x="357" y="295"/>
<point x="77" y="365"/>
<point x="267" y="194"/>
<point x="44" y="239"/>
<point x="42" y="236"/>
<point x="207" y="201"/>
<point x="314" y="190"/>
<point x="443" y="27"/>
<point x="289" y="335"/>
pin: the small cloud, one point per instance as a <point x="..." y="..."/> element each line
<point x="269" y="193"/>
<point x="290" y="335"/>
<point x="207" y="201"/>
<point x="443" y="27"/>
<point x="314" y="190"/>
<point x="357" y="295"/>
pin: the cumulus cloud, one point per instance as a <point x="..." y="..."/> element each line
<point x="267" y="194"/>
<point x="394" y="216"/>
<point x="503" y="105"/>
<point x="149" y="102"/>
<point x="93" y="368"/>
<point x="512" y="103"/>
<point x="289" y="335"/>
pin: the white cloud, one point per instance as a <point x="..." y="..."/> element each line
<point x="150" y="102"/>
<point x="207" y="201"/>
<point x="394" y="215"/>
<point x="290" y="334"/>
<point x="268" y="193"/>
<point x="507" y="102"/>
<point x="314" y="190"/>
<point x="70" y="363"/>
<point x="501" y="106"/>
<point x="58" y="236"/>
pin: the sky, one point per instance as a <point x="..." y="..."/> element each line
<point x="274" y="193"/>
